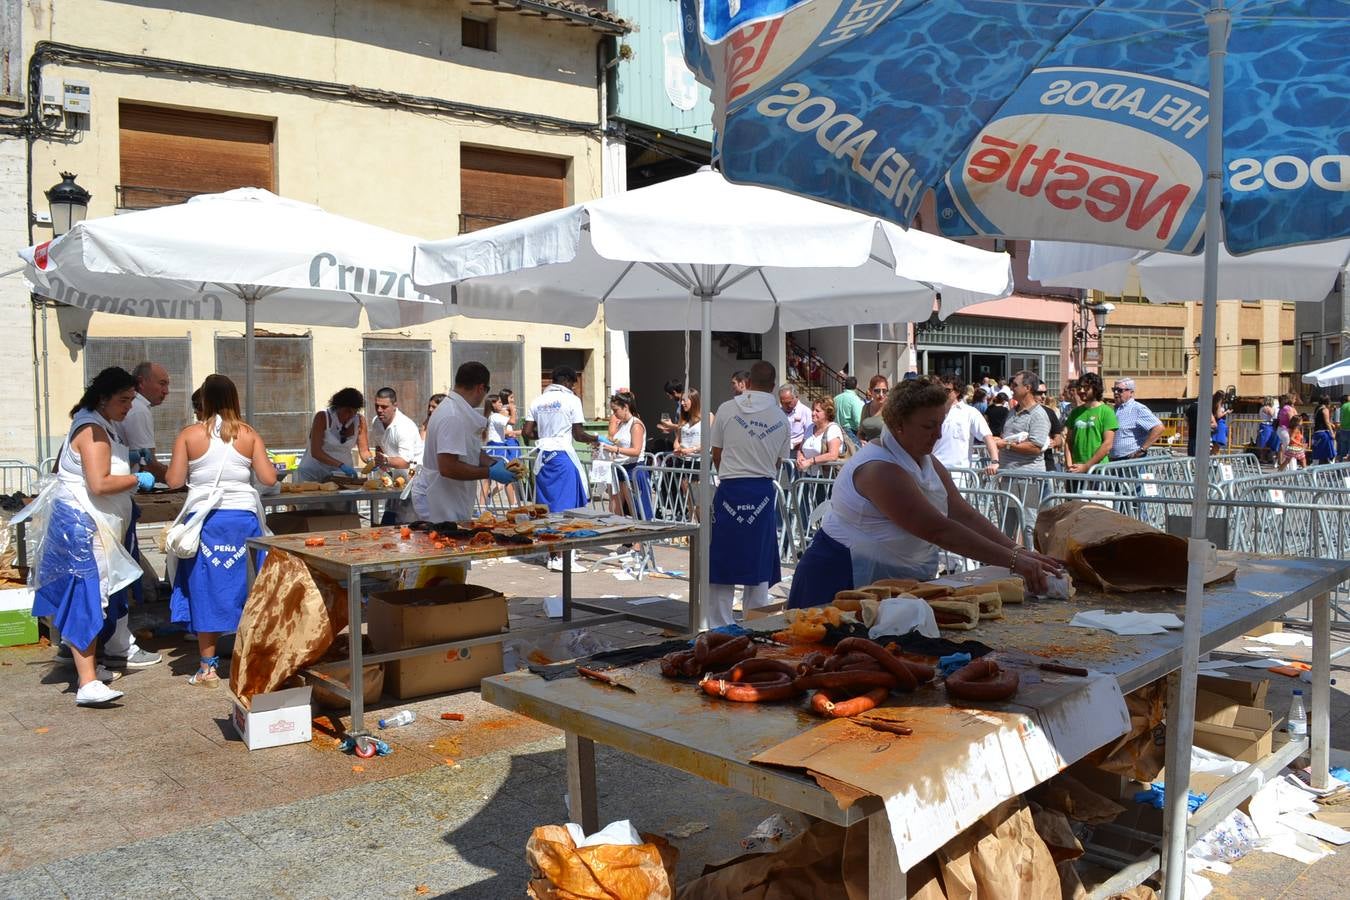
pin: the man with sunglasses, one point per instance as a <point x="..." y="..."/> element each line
<point x="1137" y="427"/>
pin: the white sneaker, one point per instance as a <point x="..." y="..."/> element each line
<point x="576" y="563"/>
<point x="555" y="564"/>
<point x="96" y="693"/>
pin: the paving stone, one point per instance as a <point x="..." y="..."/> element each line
<point x="29" y="884"/>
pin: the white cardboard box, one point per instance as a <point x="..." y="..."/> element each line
<point x="274" y="719"/>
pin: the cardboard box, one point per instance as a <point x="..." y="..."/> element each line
<point x="17" y="625"/>
<point x="763" y="612"/>
<point x="301" y="522"/>
<point x="1249" y="738"/>
<point x="1217" y="700"/>
<point x="398" y="620"/>
<point x="1268" y="628"/>
<point x="274" y="719"/>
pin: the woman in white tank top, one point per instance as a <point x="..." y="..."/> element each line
<point x="84" y="564"/>
<point x="218" y="459"/>
<point x="333" y="434"/>
<point x="630" y="439"/>
<point x="894" y="505"/>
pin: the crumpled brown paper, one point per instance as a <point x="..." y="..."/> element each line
<point x="824" y="862"/>
<point x="562" y="871"/>
<point x="290" y="618"/>
<point x="1000" y="857"/>
<point x="1105" y="549"/>
<point x="1138" y="755"/>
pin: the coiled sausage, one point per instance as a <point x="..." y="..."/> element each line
<point x="891" y="664"/>
<point x="982" y="679"/>
<point x="780" y="688"/>
<point x="845" y="681"/>
<point x="824" y="704"/>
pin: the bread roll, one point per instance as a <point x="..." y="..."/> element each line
<point x="902" y="585"/>
<point x="931" y="591"/>
<point x="878" y="591"/>
<point x="990" y="604"/>
<point x="850" y="601"/>
<point x="1011" y="590"/>
<point x="955" y="615"/>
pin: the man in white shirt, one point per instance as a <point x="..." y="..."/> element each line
<point x="138" y="428"/>
<point x="798" y="416"/>
<point x="453" y="459"/>
<point x="554" y="421"/>
<point x="398" y="445"/>
<point x="962" y="427"/>
<point x="750" y="437"/>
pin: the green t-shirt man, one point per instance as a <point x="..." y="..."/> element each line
<point x="848" y="407"/>
<point x="1087" y="427"/>
<point x="1345" y="414"/>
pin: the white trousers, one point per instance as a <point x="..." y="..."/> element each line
<point x="122" y="642"/>
<point x="721" y="596"/>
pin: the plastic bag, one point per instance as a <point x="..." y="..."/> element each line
<point x="559" y="870"/>
<point x="63" y="538"/>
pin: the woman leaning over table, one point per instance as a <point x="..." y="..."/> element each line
<point x="217" y="458"/>
<point x="85" y="562"/>
<point x="333" y="434"/>
<point x="894" y="507"/>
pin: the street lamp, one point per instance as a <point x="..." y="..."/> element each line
<point x="1082" y="333"/>
<point x="69" y="203"/>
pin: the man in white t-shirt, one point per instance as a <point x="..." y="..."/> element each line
<point x="554" y="421"/>
<point x="453" y="461"/>
<point x="962" y="427"/>
<point x="750" y="436"/>
<point x="138" y="428"/>
<point x="398" y="446"/>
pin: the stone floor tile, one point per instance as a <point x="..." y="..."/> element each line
<point x="29" y="884"/>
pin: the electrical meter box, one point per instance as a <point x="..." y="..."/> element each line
<point x="77" y="96"/>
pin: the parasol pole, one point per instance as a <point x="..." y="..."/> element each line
<point x="1181" y="705"/>
<point x="250" y="298"/>
<point x="698" y="595"/>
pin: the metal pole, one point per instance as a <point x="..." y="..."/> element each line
<point x="701" y="588"/>
<point x="249" y="301"/>
<point x="1181" y="718"/>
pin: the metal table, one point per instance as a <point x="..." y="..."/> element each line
<point x="308" y="499"/>
<point x="351" y="561"/>
<point x="675" y="725"/>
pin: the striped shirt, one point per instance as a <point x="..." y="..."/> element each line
<point x="1136" y="420"/>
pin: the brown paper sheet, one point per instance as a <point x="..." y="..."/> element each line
<point x="290" y="618"/>
<point x="1113" y="552"/>
<point x="562" y="871"/>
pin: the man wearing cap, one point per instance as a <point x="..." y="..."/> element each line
<point x="1138" y="427"/>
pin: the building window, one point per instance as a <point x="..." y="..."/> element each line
<point x="283" y="384"/>
<point x="168" y="155"/>
<point x="400" y="364"/>
<point x="1251" y="358"/>
<point x="174" y="354"/>
<point x="497" y="186"/>
<point x="1287" y="357"/>
<point x="478" y="34"/>
<point x="1129" y="351"/>
<point x="505" y="361"/>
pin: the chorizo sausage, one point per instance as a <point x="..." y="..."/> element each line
<point x="824" y="704"/>
<point x="922" y="673"/>
<point x="812" y="662"/>
<point x="844" y="681"/>
<point x="724" y="654"/>
<point x="891" y="664"/>
<point x="844" y="660"/>
<point x="781" y="688"/>
<point x="982" y="679"/>
<point x="705" y="642"/>
<point x="758" y="666"/>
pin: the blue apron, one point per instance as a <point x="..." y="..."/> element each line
<point x="209" y="589"/>
<point x="825" y="569"/>
<point x="557" y="482"/>
<point x="1267" y="438"/>
<point x="744" y="533"/>
<point x="1323" y="446"/>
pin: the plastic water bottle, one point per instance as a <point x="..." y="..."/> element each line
<point x="1297" y="723"/>
<point x="403" y="717"/>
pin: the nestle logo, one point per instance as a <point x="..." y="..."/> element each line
<point x="1107" y="191"/>
<point x="281" y="726"/>
<point x="40" y="255"/>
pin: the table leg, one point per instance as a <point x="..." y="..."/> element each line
<point x="885" y="878"/>
<point x="697" y="622"/>
<point x="567" y="585"/>
<point x="354" y="656"/>
<point x="1320" y="707"/>
<point x="581" y="800"/>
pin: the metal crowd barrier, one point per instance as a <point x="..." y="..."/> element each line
<point x="17" y="475"/>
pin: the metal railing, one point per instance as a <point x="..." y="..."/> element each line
<point x="17" y="475"/>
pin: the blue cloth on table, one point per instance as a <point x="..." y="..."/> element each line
<point x="950" y="663"/>
<point x="70" y="592"/>
<point x="744" y="546"/>
<point x="209" y="590"/>
<point x="557" y="483"/>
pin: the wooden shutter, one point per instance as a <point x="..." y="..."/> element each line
<point x="498" y="186"/>
<point x="168" y="155"/>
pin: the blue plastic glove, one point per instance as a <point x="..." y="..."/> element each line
<point x="604" y="439"/>
<point x="500" y="473"/>
<point x="145" y="481"/>
<point x="347" y="470"/>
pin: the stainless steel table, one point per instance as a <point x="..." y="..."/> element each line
<point x="353" y="560"/>
<point x="310" y="499"/>
<point x="677" y="726"/>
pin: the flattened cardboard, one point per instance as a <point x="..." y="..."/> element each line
<point x="960" y="763"/>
